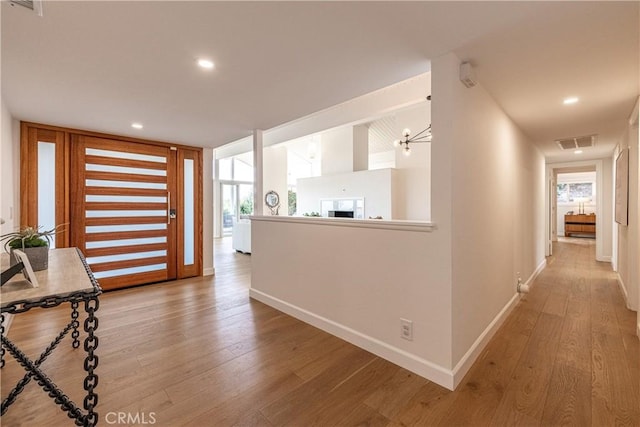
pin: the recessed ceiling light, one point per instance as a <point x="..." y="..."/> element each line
<point x="570" y="100"/>
<point x="205" y="63"/>
<point x="577" y="152"/>
<point x="136" y="125"/>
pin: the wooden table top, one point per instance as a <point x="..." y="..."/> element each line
<point x="66" y="275"/>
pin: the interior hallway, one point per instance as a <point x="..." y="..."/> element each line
<point x="199" y="352"/>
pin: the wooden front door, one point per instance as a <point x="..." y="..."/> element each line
<point x="123" y="210"/>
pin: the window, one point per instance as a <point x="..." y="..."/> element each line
<point x="575" y="192"/>
<point x="235" y="176"/>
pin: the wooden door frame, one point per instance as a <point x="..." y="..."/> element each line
<point x="29" y="138"/>
<point x="32" y="132"/>
<point x="597" y="164"/>
<point x="194" y="269"/>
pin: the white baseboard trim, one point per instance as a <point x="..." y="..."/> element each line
<point x="411" y="362"/>
<point x="606" y="258"/>
<point x="210" y="271"/>
<point x="536" y="272"/>
<point x="623" y="289"/>
<point x="467" y="361"/>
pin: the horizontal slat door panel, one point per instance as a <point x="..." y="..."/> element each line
<point x="97" y="145"/>
<point x="116" y="250"/>
<point x="122" y="220"/>
<point x="95" y="237"/>
<point x="117" y="265"/>
<point x="131" y="279"/>
<point x="115" y="176"/>
<point x="123" y="191"/>
<point x="124" y="203"/>
<point x="130" y="163"/>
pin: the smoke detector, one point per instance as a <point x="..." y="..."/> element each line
<point x="467" y="75"/>
<point x="35" y="5"/>
<point x="576" y="142"/>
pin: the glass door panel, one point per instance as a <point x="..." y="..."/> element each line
<point x="189" y="217"/>
<point x="189" y="213"/>
<point x="229" y="204"/>
<point x="47" y="187"/>
<point x="245" y="197"/>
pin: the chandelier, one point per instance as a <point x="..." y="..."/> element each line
<point x="422" y="136"/>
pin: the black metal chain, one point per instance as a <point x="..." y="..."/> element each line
<point x="45" y="382"/>
<point x="2" y="335"/>
<point x="23" y="305"/>
<point x="25" y="380"/>
<point x="75" y="324"/>
<point x="91" y="302"/>
<point x="91" y="361"/>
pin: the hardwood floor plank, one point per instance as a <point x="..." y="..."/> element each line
<point x="389" y="398"/>
<point x="483" y="388"/>
<point x="522" y="321"/>
<point x="568" y="400"/>
<point x="428" y="407"/>
<point x="233" y="410"/>
<point x="252" y="419"/>
<point x="201" y="352"/>
<point x="302" y="402"/>
<point x="364" y="415"/>
<point x="526" y="393"/>
<point x="575" y="342"/>
<point x="632" y="352"/>
<point x="614" y="400"/>
<point x="556" y="304"/>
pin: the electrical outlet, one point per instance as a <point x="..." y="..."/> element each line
<point x="406" y="329"/>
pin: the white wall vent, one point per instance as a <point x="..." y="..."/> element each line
<point x="576" y="142"/>
<point x="35" y="5"/>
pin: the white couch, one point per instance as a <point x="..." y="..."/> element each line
<point x="241" y="236"/>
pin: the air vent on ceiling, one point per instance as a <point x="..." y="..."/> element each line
<point x="35" y="5"/>
<point x="576" y="142"/>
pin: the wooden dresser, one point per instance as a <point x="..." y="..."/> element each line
<point x="579" y="224"/>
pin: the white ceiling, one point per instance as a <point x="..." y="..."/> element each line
<point x="103" y="65"/>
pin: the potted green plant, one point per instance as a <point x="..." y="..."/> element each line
<point x="33" y="241"/>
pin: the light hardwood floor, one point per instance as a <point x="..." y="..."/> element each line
<point x="200" y="352"/>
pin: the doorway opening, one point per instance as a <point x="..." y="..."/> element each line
<point x="577" y="195"/>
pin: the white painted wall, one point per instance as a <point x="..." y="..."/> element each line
<point x="629" y="236"/>
<point x="414" y="178"/>
<point x="607" y="209"/>
<point x="375" y="104"/>
<point x="411" y="179"/>
<point x="275" y="177"/>
<point x="360" y="148"/>
<point x="375" y="186"/>
<point x="358" y="283"/>
<point x="496" y="210"/>
<point x="382" y="160"/>
<point x="336" y="149"/>
<point x="563" y="208"/>
<point x="457" y="282"/>
<point x="9" y="171"/>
